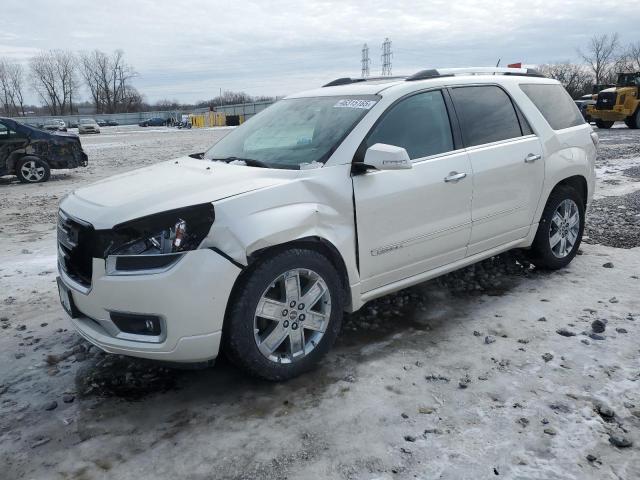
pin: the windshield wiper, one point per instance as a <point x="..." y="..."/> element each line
<point x="252" y="162"/>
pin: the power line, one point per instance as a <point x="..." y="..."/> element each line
<point x="386" y="57"/>
<point x="365" y="61"/>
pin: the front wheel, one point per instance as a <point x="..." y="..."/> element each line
<point x="560" y="229"/>
<point x="285" y="315"/>
<point x="604" y="124"/>
<point x="32" y="170"/>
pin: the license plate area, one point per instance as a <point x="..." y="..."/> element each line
<point x="66" y="299"/>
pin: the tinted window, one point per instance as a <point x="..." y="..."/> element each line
<point x="555" y="104"/>
<point x="419" y="124"/>
<point x="486" y="114"/>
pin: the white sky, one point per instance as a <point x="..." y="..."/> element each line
<point x="188" y="50"/>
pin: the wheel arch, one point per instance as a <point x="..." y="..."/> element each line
<point x="315" y="243"/>
<point x="578" y="183"/>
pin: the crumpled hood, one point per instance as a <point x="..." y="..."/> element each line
<point x="164" y="186"/>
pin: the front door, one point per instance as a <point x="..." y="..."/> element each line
<point x="410" y="221"/>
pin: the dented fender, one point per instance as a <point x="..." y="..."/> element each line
<point x="311" y="205"/>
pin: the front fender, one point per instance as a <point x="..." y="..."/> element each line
<point x="319" y="204"/>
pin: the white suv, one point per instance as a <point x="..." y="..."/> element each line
<point x="325" y="200"/>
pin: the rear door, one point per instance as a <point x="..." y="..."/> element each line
<point x="507" y="163"/>
<point x="411" y="221"/>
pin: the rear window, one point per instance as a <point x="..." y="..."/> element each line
<point x="555" y="104"/>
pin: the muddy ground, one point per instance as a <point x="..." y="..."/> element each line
<point x="494" y="371"/>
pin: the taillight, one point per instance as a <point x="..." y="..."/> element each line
<point x="595" y="139"/>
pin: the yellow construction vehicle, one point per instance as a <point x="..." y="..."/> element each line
<point x="619" y="103"/>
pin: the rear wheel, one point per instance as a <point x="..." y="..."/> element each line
<point x="32" y="170"/>
<point x="560" y="229"/>
<point x="633" y="121"/>
<point x="604" y="124"/>
<point x="285" y="315"/>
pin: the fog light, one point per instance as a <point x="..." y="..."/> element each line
<point x="137" y="324"/>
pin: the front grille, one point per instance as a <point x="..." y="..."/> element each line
<point x="606" y="100"/>
<point x="74" y="248"/>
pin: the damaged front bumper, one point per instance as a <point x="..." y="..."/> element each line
<point x="183" y="307"/>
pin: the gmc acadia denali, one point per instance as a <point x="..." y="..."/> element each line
<point x="322" y="202"/>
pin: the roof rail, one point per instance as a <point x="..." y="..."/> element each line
<point x="448" y="72"/>
<point x="343" y="81"/>
<point x="347" y="80"/>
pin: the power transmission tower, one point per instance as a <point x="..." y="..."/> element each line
<point x="365" y="61"/>
<point x="386" y="57"/>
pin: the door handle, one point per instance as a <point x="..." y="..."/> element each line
<point x="454" y="177"/>
<point x="532" y="157"/>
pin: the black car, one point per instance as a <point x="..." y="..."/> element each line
<point x="102" y="123"/>
<point x="31" y="153"/>
<point x="153" y="122"/>
<point x="582" y="103"/>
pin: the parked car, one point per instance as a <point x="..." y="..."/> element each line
<point x="323" y="201"/>
<point x="55" y="124"/>
<point x="582" y="103"/>
<point x="112" y="123"/>
<point x="88" y="125"/>
<point x="102" y="123"/>
<point x="153" y="122"/>
<point x="31" y="153"/>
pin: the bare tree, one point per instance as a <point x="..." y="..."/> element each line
<point x="107" y="78"/>
<point x="11" y="88"/>
<point x="15" y="74"/>
<point x="629" y="60"/>
<point x="600" y="56"/>
<point x="576" y="79"/>
<point x="54" y="79"/>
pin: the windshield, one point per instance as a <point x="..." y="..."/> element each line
<point x="628" y="79"/>
<point x="87" y="121"/>
<point x="294" y="131"/>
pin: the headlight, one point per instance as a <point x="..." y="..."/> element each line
<point x="165" y="234"/>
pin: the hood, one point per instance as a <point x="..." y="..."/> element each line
<point x="164" y="186"/>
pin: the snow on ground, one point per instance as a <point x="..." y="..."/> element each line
<point x="465" y="376"/>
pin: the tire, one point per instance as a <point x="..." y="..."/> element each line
<point x="633" y="121"/>
<point x="263" y="346"/>
<point x="604" y="124"/>
<point x="32" y="170"/>
<point x="547" y="250"/>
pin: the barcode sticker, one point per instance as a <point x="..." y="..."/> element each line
<point x="351" y="103"/>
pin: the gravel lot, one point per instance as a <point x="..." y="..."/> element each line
<point x="497" y="370"/>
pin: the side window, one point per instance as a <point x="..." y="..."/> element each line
<point x="555" y="104"/>
<point x="486" y="114"/>
<point x="4" y="132"/>
<point x="419" y="123"/>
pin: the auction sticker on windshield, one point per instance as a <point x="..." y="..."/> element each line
<point x="352" y="103"/>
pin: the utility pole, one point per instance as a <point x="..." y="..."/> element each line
<point x="386" y="57"/>
<point x="365" y="61"/>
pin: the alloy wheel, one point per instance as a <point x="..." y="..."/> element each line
<point x="32" y="172"/>
<point x="292" y="315"/>
<point x="565" y="227"/>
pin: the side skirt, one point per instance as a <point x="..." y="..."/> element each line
<point x="436" y="272"/>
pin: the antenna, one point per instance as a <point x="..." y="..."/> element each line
<point x="365" y="61"/>
<point x="386" y="57"/>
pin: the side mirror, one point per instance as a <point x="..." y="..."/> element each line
<point x="387" y="157"/>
